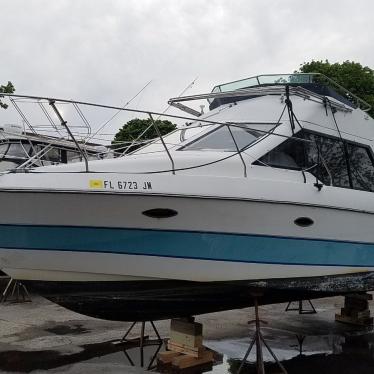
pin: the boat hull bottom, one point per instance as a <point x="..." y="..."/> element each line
<point x="156" y="300"/>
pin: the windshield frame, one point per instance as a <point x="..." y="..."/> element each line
<point x="218" y="127"/>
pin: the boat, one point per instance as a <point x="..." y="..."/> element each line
<point x="20" y="149"/>
<point x="28" y="143"/>
<point x="270" y="191"/>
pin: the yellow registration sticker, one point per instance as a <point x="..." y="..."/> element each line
<point x="96" y="183"/>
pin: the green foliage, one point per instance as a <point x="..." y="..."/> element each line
<point x="351" y="75"/>
<point x="134" y="129"/>
<point x="9" y="88"/>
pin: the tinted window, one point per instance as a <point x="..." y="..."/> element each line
<point x="288" y="155"/>
<point x="73" y="156"/>
<point x="362" y="169"/>
<point x="52" y="154"/>
<point x="221" y="139"/>
<point x="322" y="156"/>
<point x="16" y="150"/>
<point x="3" y="149"/>
<point x="333" y="156"/>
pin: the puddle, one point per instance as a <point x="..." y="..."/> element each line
<point x="67" y="330"/>
<point x="27" y="361"/>
<point x="330" y="354"/>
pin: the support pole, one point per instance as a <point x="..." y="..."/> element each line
<point x="143" y="342"/>
<point x="238" y="150"/>
<point x="18" y="289"/>
<point x="64" y="124"/>
<point x="163" y="142"/>
<point x="259" y="339"/>
<point x="300" y="307"/>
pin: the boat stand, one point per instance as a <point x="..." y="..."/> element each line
<point x="300" y="307"/>
<point x="142" y="337"/>
<point x="140" y="342"/>
<point x="259" y="339"/>
<point x="300" y="340"/>
<point x="15" y="293"/>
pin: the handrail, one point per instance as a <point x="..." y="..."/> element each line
<point x="259" y="91"/>
<point x="276" y="90"/>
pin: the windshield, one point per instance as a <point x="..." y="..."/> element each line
<point x="221" y="139"/>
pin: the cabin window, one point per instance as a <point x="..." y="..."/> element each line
<point x="322" y="156"/>
<point x="16" y="150"/>
<point x="220" y="139"/>
<point x="288" y="155"/>
<point x="3" y="149"/>
<point x="361" y="166"/>
<point x="332" y="155"/>
<point x="51" y="154"/>
<point x="73" y="156"/>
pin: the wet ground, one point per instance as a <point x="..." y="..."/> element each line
<point x="40" y="336"/>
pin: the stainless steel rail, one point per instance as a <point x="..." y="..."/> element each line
<point x="259" y="91"/>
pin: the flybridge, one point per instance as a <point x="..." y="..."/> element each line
<point x="315" y="82"/>
<point x="313" y="92"/>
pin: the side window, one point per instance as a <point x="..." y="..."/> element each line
<point x="52" y="155"/>
<point x="221" y="139"/>
<point x="332" y="156"/>
<point x="322" y="156"/>
<point x="288" y="155"/>
<point x="325" y="158"/>
<point x="362" y="169"/>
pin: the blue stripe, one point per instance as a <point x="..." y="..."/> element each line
<point x="186" y="244"/>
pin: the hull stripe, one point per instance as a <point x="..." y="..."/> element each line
<point x="187" y="244"/>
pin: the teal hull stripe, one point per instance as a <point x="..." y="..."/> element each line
<point x="187" y="244"/>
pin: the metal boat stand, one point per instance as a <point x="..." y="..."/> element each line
<point x="151" y="364"/>
<point x="15" y="293"/>
<point x="143" y="341"/>
<point x="300" y="307"/>
<point x="259" y="339"/>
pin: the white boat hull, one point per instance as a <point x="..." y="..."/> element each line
<point x="60" y="236"/>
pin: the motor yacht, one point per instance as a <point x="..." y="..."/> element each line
<point x="271" y="189"/>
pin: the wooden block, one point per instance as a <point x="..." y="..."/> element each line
<point x="186" y="339"/>
<point x="167" y="356"/>
<point x="361" y="314"/>
<point x="186" y="361"/>
<point x="360" y="296"/>
<point x="354" y="321"/>
<point x="357" y="304"/>
<point x="191" y="351"/>
<point x="355" y="313"/>
<point x="186" y="327"/>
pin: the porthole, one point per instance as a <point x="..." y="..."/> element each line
<point x="160" y="213"/>
<point x="303" y="221"/>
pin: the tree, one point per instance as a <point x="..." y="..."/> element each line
<point x="351" y="75"/>
<point x="9" y="88"/>
<point x="133" y="130"/>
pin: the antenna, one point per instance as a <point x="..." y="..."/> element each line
<point x="119" y="111"/>
<point x="181" y="94"/>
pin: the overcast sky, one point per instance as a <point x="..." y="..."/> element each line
<point x="106" y="51"/>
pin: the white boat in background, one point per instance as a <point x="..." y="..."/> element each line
<point x="24" y="150"/>
<point x="272" y="188"/>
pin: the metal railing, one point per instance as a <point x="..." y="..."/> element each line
<point x="294" y="79"/>
<point x="239" y="151"/>
<point x="258" y="91"/>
